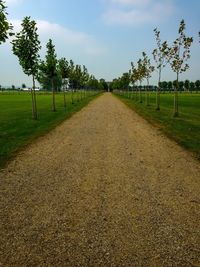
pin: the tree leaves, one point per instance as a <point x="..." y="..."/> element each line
<point x="5" y="27"/>
<point x="26" y="46"/>
<point x="179" y="53"/>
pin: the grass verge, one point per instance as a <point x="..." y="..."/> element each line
<point x="185" y="129"/>
<point x="17" y="128"/>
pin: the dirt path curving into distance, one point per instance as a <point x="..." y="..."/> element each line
<point x="105" y="188"/>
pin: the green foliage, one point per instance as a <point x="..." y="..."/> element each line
<point x="50" y="64"/>
<point x="134" y="74"/>
<point x="179" y="53"/>
<point x="148" y="69"/>
<point x="5" y="27"/>
<point x="92" y="83"/>
<point x="49" y="74"/>
<point x="160" y="53"/>
<point x="192" y="86"/>
<point x="64" y="69"/>
<point x="115" y="84"/>
<point x="140" y="70"/>
<point x="160" y="57"/>
<point x="26" y="46"/>
<point x="77" y="77"/>
<point x="197" y="84"/>
<point x="84" y="77"/>
<point x="178" y="56"/>
<point x="181" y="85"/>
<point x="170" y="85"/>
<point x="125" y="80"/>
<point x="46" y="81"/>
<point x="103" y="84"/>
<point x="187" y="85"/>
<point x="163" y="85"/>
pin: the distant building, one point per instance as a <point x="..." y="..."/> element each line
<point x="29" y="89"/>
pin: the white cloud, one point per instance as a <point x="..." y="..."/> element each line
<point x="13" y="2"/>
<point x="131" y="2"/>
<point x="135" y="12"/>
<point x="64" y="37"/>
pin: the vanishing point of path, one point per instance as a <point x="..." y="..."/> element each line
<point x="105" y="188"/>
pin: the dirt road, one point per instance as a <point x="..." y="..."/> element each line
<point x="105" y="188"/>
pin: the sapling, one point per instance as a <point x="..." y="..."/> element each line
<point x="26" y="46"/>
<point x="161" y="60"/>
<point x="178" y="56"/>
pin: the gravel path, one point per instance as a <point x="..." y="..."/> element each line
<point x="105" y="188"/>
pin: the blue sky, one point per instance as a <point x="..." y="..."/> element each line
<point x="104" y="35"/>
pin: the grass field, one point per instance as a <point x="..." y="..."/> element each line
<point x="185" y="129"/>
<point x="17" y="128"/>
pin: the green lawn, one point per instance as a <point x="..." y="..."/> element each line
<point x="185" y="129"/>
<point x="17" y="128"/>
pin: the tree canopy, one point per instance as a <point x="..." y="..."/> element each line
<point x="5" y="26"/>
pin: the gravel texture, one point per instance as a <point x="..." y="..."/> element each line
<point x="105" y="188"/>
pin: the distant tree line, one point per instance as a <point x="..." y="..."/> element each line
<point x="124" y="83"/>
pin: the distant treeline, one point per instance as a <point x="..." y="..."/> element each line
<point x="185" y="86"/>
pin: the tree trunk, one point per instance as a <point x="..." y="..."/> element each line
<point x="53" y="96"/>
<point x="72" y="95"/>
<point x="65" y="103"/>
<point x="147" y="93"/>
<point x="140" y="93"/>
<point x="33" y="96"/>
<point x="136" y="92"/>
<point x="81" y="94"/>
<point x="132" y="93"/>
<point x="158" y="92"/>
<point x="176" y="88"/>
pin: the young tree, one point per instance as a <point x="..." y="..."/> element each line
<point x="5" y="26"/>
<point x="71" y="79"/>
<point x="148" y="70"/>
<point x="134" y="76"/>
<point x="26" y="47"/>
<point x="141" y="76"/>
<point x="84" y="79"/>
<point x="64" y="71"/>
<point x="49" y="70"/>
<point x="124" y="81"/>
<point x="178" y="55"/>
<point x="160" y="57"/>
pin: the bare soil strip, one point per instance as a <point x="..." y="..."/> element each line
<point x="105" y="188"/>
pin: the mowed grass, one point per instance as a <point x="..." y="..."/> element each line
<point x="185" y="129"/>
<point x="17" y="128"/>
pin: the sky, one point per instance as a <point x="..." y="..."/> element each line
<point x="104" y="35"/>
